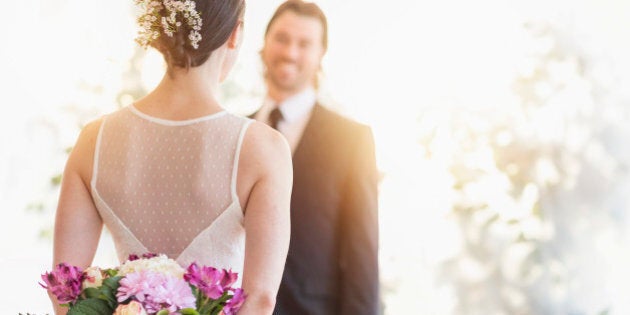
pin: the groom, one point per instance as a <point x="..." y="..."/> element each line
<point x="332" y="264"/>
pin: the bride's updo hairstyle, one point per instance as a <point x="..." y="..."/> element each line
<point x="217" y="19"/>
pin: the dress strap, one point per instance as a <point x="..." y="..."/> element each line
<point x="237" y="154"/>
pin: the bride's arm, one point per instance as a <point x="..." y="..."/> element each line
<point x="77" y="223"/>
<point x="267" y="216"/>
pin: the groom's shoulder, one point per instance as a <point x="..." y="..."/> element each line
<point x="337" y="119"/>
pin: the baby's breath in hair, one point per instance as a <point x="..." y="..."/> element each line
<point x="152" y="22"/>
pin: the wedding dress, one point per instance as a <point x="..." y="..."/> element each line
<point x="169" y="187"/>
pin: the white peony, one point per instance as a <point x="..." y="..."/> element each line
<point x="160" y="263"/>
<point x="93" y="278"/>
<point x="133" y="308"/>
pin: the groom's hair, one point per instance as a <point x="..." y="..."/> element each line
<point x="302" y="8"/>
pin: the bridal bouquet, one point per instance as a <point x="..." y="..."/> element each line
<point x="151" y="284"/>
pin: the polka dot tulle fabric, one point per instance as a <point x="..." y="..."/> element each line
<point x="163" y="183"/>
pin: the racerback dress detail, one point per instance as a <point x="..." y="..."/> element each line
<point x="169" y="187"/>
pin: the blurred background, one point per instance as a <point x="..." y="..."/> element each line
<point x="501" y="130"/>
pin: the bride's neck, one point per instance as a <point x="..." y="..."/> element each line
<point x="193" y="85"/>
<point x="193" y="90"/>
<point x="202" y="81"/>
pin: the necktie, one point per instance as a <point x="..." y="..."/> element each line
<point x="274" y="117"/>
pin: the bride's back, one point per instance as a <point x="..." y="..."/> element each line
<point x="158" y="184"/>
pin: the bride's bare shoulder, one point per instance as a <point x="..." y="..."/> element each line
<point x="81" y="157"/>
<point x="89" y="133"/>
<point x="264" y="151"/>
<point x="265" y="147"/>
<point x="265" y="156"/>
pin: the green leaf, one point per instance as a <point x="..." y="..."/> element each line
<point x="112" y="282"/>
<point x="188" y="311"/>
<point x="212" y="308"/>
<point x="92" y="292"/>
<point x="109" y="289"/>
<point x="91" y="306"/>
<point x="111" y="285"/>
<point x="162" y="312"/>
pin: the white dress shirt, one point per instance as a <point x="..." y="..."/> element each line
<point x="296" y="112"/>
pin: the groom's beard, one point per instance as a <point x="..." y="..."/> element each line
<point x="288" y="76"/>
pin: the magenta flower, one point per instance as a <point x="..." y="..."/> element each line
<point x="234" y="304"/>
<point x="207" y="279"/>
<point x="64" y="282"/>
<point x="133" y="257"/>
<point x="149" y="255"/>
<point x="228" y="279"/>
<point x="156" y="291"/>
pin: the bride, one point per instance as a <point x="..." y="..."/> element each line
<point x="174" y="172"/>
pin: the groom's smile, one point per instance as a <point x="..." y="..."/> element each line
<point x="292" y="52"/>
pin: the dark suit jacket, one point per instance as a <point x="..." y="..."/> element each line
<point x="332" y="264"/>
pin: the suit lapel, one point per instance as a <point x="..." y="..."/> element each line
<point x="310" y="140"/>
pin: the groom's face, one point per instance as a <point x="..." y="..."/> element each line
<point x="293" y="52"/>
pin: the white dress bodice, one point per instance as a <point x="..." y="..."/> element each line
<point x="169" y="187"/>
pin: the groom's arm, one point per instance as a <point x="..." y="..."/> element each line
<point x="359" y="231"/>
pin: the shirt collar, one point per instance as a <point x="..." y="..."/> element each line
<point x="297" y="105"/>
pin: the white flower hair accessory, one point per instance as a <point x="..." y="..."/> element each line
<point x="152" y="22"/>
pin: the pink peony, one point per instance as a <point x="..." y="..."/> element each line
<point x="134" y="285"/>
<point x="173" y="295"/>
<point x="64" y="282"/>
<point x="156" y="291"/>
